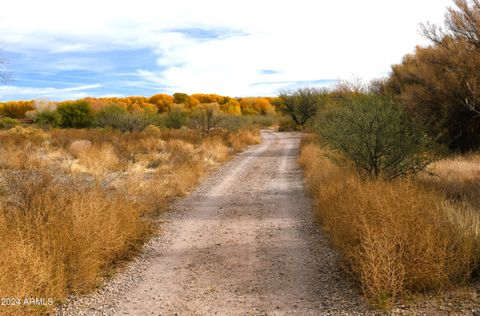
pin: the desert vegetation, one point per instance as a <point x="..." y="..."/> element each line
<point x="392" y="165"/>
<point x="402" y="236"/>
<point x="75" y="203"/>
<point x="393" y="168"/>
<point x="438" y="84"/>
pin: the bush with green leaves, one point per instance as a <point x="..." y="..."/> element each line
<point x="205" y="117"/>
<point x="76" y="114"/>
<point x="176" y="117"/>
<point x="117" y="117"/>
<point x="302" y="104"/>
<point x="47" y="119"/>
<point x="8" y="122"/>
<point x="237" y="122"/>
<point x="375" y="134"/>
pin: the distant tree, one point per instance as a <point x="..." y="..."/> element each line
<point x="47" y="119"/>
<point x="114" y="116"/>
<point x="162" y="101"/>
<point x="180" y="98"/>
<point x="176" y="117"/>
<point x="302" y="104"/>
<point x="15" y="109"/>
<point x="183" y="98"/>
<point x="255" y="105"/>
<point x="205" y="117"/>
<point x="210" y="98"/>
<point x="75" y="114"/>
<point x="232" y="107"/>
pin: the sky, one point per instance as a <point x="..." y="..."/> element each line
<point x="72" y="49"/>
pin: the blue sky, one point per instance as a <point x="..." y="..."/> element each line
<point x="67" y="50"/>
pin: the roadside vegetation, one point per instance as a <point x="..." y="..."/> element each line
<point x="82" y="184"/>
<point x="394" y="169"/>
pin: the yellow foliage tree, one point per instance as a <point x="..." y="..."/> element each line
<point x="162" y="101"/>
<point x="210" y="98"/>
<point x="15" y="109"/>
<point x="258" y="105"/>
<point x="232" y="107"/>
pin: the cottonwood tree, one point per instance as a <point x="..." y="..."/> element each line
<point x="302" y="104"/>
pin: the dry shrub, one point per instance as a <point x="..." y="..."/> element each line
<point x="240" y="139"/>
<point x="152" y="130"/>
<point x="181" y="152"/>
<point x="100" y="159"/>
<point x="395" y="237"/>
<point x="214" y="150"/>
<point x="458" y="177"/>
<point x="61" y="236"/>
<point x="34" y="135"/>
<point x="79" y="147"/>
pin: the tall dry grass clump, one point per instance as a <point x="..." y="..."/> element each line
<point x="60" y="236"/>
<point x="396" y="237"/>
<point x="245" y="136"/>
<point x="458" y="177"/>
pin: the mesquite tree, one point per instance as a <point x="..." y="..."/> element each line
<point x="302" y="104"/>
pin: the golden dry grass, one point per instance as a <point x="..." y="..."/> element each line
<point x="395" y="237"/>
<point x="66" y="219"/>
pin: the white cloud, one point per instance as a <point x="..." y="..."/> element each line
<point x="301" y="40"/>
<point x="77" y="92"/>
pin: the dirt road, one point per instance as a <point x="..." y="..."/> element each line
<point x="244" y="243"/>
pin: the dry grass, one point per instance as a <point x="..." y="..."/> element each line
<point x="458" y="177"/>
<point x="67" y="219"/>
<point x="396" y="237"/>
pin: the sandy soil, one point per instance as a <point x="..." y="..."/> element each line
<point x="244" y="243"/>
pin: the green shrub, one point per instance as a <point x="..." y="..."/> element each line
<point x="262" y="120"/>
<point x="7" y="123"/>
<point x="288" y="125"/>
<point x="109" y="116"/>
<point x="117" y="117"/>
<point x="236" y="122"/>
<point x="175" y="118"/>
<point x="375" y="134"/>
<point x="48" y="119"/>
<point x="76" y="114"/>
<point x="206" y="117"/>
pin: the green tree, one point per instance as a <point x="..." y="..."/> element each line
<point x="176" y="117"/>
<point x="301" y="105"/>
<point x="48" y="118"/>
<point x="374" y="133"/>
<point x="180" y="98"/>
<point x="76" y="114"/>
